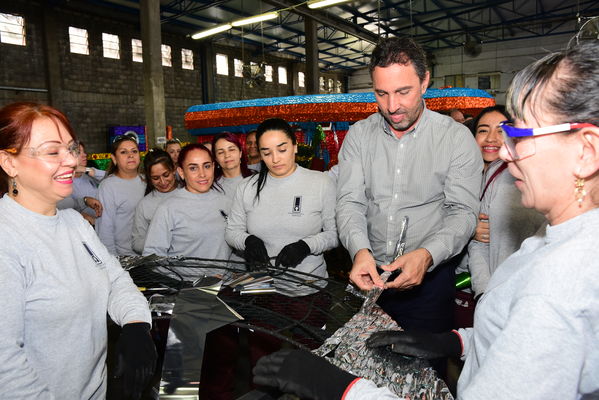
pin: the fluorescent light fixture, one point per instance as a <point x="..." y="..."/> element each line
<point x="213" y="31"/>
<point x="257" y="18"/>
<point x="323" y="3"/>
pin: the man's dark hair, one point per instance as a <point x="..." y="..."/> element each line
<point x="402" y="51"/>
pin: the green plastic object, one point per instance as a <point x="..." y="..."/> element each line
<point x="462" y="280"/>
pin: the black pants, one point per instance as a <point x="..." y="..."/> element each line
<point x="427" y="307"/>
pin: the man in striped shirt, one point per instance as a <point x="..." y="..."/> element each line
<point x="407" y="160"/>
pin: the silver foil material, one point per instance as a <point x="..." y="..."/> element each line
<point x="408" y="378"/>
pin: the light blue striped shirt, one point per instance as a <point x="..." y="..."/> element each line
<point x="431" y="174"/>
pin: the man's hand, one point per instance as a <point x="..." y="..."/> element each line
<point x="482" y="228"/>
<point x="413" y="267"/>
<point x="363" y="272"/>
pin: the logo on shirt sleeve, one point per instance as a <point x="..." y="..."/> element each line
<point x="296" y="209"/>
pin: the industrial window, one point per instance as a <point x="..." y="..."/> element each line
<point x="166" y="55"/>
<point x="321" y="84"/>
<point x="331" y="85"/>
<point x="301" y="79"/>
<point x="268" y="73"/>
<point x="110" y="45"/>
<point x="222" y="64"/>
<point x="339" y="87"/>
<point x="137" y="50"/>
<point x="489" y="81"/>
<point x="282" y="75"/>
<point x="12" y="29"/>
<point x="238" y="66"/>
<point x="78" y="40"/>
<point x="186" y="59"/>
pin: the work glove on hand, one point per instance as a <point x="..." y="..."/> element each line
<point x="302" y="373"/>
<point x="136" y="360"/>
<point x="255" y="251"/>
<point x="419" y="344"/>
<point x="293" y="254"/>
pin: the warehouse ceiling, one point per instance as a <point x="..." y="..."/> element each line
<point x="347" y="32"/>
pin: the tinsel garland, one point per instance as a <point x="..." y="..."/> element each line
<point x="348" y="107"/>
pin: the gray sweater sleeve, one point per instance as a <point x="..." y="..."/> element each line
<point x="327" y="239"/>
<point x="509" y="224"/>
<point x="140" y="228"/>
<point x="478" y="264"/>
<point x="105" y="224"/>
<point x="125" y="302"/>
<point x="236" y="231"/>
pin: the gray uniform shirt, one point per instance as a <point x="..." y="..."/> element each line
<point x="58" y="281"/>
<point x="536" y="328"/>
<point x="229" y="185"/>
<point x="192" y="225"/>
<point x="431" y="174"/>
<point x="119" y="197"/>
<point x="300" y="206"/>
<point x="143" y="216"/>
<point x="509" y="224"/>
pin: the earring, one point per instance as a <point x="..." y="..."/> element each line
<point x="579" y="191"/>
<point x="15" y="192"/>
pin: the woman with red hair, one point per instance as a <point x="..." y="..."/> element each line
<point x="58" y="280"/>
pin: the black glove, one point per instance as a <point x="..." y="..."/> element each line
<point x="293" y="254"/>
<point x="419" y="344"/>
<point x="255" y="251"/>
<point x="136" y="360"/>
<point x="302" y="373"/>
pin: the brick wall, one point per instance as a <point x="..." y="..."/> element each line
<point x="97" y="92"/>
<point x="23" y="67"/>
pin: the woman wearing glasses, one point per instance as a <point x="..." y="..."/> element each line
<point x="161" y="184"/>
<point x="192" y="222"/>
<point x="57" y="279"/>
<point x="536" y="328"/>
<point x="231" y="166"/>
<point x="119" y="193"/>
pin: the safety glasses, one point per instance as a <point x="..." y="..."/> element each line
<point x="519" y="143"/>
<point x="53" y="152"/>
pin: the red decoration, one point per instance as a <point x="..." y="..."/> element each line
<point x="289" y="112"/>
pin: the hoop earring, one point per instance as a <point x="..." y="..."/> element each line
<point x="579" y="191"/>
<point x="15" y="191"/>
